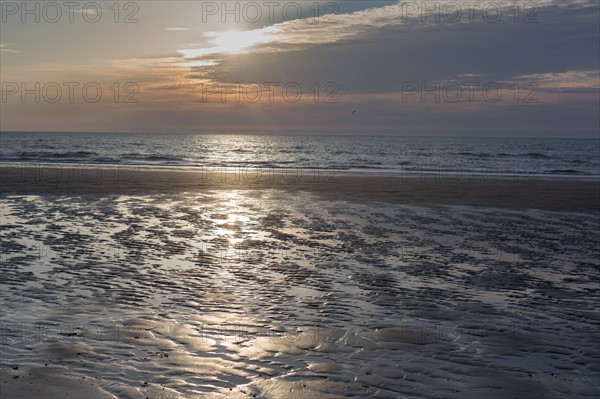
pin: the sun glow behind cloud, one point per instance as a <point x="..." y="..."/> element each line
<point x="307" y="31"/>
<point x="231" y="42"/>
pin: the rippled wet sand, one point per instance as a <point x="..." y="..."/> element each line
<point x="278" y="295"/>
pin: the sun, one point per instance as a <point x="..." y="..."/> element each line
<point x="231" y="42"/>
<point x="234" y="42"/>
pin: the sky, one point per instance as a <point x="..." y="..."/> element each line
<point x="455" y="68"/>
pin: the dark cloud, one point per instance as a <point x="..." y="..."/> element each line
<point x="380" y="60"/>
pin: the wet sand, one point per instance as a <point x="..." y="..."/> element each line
<point x="507" y="191"/>
<point x="167" y="285"/>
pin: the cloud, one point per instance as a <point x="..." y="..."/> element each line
<point x="4" y="48"/>
<point x="380" y="48"/>
<point x="568" y="80"/>
<point x="293" y="34"/>
<point x="179" y="29"/>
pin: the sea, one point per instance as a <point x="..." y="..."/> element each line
<point x="350" y="154"/>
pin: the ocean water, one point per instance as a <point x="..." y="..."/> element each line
<point x="353" y="154"/>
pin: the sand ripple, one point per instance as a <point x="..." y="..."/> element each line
<point x="264" y="294"/>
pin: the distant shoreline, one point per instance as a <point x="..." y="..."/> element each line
<point x="517" y="192"/>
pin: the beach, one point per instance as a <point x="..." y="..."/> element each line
<point x="299" y="200"/>
<point x="443" y="188"/>
<point x="178" y="283"/>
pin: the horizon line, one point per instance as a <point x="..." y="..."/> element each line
<point x="327" y="134"/>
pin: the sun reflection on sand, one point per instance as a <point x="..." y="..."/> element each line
<point x="233" y="225"/>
